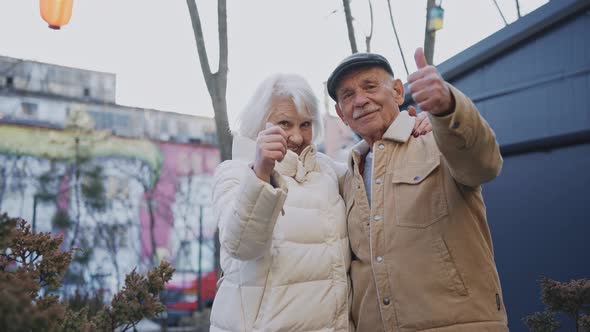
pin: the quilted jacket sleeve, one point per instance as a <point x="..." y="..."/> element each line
<point x="246" y="209"/>
<point x="467" y="142"/>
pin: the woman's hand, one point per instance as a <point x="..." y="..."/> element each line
<point x="271" y="146"/>
<point x="422" y="125"/>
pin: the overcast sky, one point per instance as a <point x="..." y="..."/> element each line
<point x="150" y="46"/>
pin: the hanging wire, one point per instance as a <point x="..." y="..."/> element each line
<point x="500" y="11"/>
<point x="397" y="38"/>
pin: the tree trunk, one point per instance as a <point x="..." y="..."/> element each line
<point x="368" y="37"/>
<point x="349" y="26"/>
<point x="216" y="84"/>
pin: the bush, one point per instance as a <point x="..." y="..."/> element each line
<point x="31" y="269"/>
<point x="571" y="298"/>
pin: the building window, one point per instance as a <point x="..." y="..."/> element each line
<point x="86" y="92"/>
<point x="102" y="119"/>
<point x="182" y="129"/>
<point x="9" y="82"/>
<point x="122" y="122"/>
<point x="29" y="109"/>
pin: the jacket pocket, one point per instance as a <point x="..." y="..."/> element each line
<point x="450" y="272"/>
<point x="419" y="195"/>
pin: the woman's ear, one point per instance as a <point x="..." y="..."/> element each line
<point x="398" y="88"/>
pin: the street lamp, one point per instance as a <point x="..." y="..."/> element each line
<point x="56" y="12"/>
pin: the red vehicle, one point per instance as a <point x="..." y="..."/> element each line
<point x="181" y="296"/>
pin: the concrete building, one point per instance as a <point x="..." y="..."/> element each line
<point x="40" y="94"/>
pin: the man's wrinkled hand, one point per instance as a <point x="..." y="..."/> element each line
<point x="429" y="90"/>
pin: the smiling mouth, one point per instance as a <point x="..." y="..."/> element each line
<point x="368" y="109"/>
<point x="364" y="114"/>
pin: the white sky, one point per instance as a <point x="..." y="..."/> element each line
<point x="149" y="44"/>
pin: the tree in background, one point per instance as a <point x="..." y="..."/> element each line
<point x="571" y="298"/>
<point x="31" y="269"/>
<point x="350" y="26"/>
<point x="216" y="81"/>
<point x="216" y="84"/>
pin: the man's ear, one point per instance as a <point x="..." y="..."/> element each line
<point x="340" y="114"/>
<point x="398" y="87"/>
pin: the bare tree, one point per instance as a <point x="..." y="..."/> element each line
<point x="216" y="83"/>
<point x="349" y="25"/>
<point x="370" y="35"/>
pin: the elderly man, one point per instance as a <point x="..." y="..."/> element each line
<point x="423" y="257"/>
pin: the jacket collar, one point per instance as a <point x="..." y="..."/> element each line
<point x="399" y="131"/>
<point x="401" y="128"/>
<point x="293" y="165"/>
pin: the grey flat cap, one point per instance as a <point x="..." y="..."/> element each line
<point x="355" y="61"/>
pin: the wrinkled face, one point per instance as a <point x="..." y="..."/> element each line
<point x="297" y="126"/>
<point x="368" y="101"/>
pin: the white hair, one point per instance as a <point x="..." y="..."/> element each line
<point x="254" y="116"/>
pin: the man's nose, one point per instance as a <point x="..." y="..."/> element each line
<point x="360" y="99"/>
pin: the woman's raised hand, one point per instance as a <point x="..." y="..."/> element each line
<point x="271" y="146"/>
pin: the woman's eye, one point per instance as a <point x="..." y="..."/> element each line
<point x="306" y="124"/>
<point x="283" y="123"/>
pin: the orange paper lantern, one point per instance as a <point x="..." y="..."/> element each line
<point x="56" y="12"/>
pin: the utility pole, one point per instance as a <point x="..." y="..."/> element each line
<point x="518" y="9"/>
<point x="200" y="266"/>
<point x="34" y="212"/>
<point x="429" y="34"/>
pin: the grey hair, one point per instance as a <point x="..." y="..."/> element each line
<point x="254" y="116"/>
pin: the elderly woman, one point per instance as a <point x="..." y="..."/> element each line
<point x="282" y="223"/>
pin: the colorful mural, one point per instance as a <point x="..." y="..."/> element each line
<point x="130" y="201"/>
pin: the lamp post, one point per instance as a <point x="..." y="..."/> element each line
<point x="203" y="198"/>
<point x="434" y="22"/>
<point x="34" y="211"/>
<point x="200" y="262"/>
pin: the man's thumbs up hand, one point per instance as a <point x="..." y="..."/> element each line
<point x="420" y="58"/>
<point x="429" y="90"/>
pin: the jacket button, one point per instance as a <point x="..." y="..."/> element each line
<point x="377" y="217"/>
<point x="381" y="146"/>
<point x="416" y="178"/>
<point x="455" y="125"/>
<point x="379" y="259"/>
<point x="386" y="301"/>
<point x="378" y="181"/>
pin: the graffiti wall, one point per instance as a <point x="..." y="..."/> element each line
<point x="127" y="203"/>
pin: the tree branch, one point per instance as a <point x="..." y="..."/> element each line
<point x="198" y="32"/>
<point x="223" y="47"/>
<point x="349" y="26"/>
<point x="368" y="38"/>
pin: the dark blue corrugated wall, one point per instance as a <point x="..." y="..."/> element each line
<point x="535" y="93"/>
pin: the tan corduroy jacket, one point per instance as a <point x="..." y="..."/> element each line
<point x="423" y="257"/>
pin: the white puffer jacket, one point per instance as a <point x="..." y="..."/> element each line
<point x="284" y="250"/>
